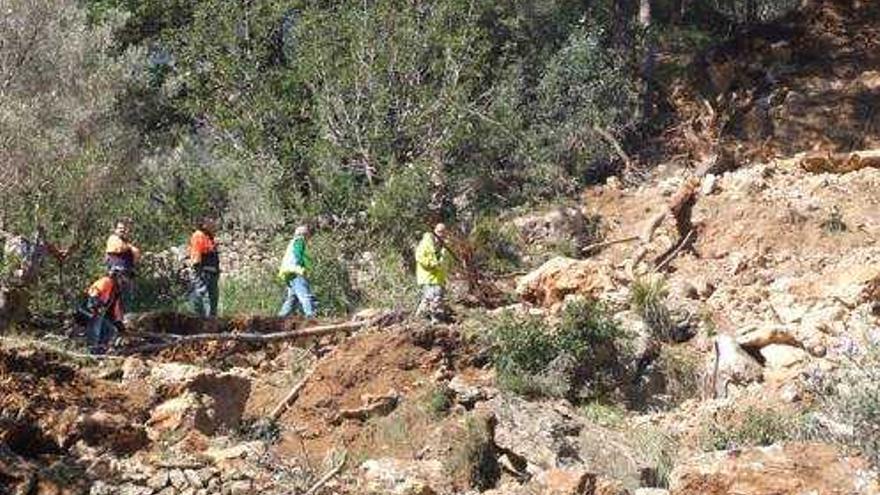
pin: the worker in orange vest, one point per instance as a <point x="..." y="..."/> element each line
<point x="105" y="308"/>
<point x="122" y="255"/>
<point x="205" y="262"/>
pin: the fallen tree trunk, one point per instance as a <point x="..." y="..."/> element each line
<point x="840" y="163"/>
<point x="381" y="320"/>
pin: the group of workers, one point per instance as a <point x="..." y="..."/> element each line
<point x="108" y="297"/>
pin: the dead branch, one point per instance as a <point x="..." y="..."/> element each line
<point x="627" y="161"/>
<point x="327" y="477"/>
<point x="384" y="319"/>
<point x="674" y="253"/>
<point x="651" y="227"/>
<point x="599" y="245"/>
<point x="290" y="397"/>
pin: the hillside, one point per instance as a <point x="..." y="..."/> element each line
<point x="705" y="320"/>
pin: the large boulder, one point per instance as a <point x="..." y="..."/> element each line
<point x="730" y="365"/>
<point x="792" y="469"/>
<point x="199" y="399"/>
<point x="559" y="277"/>
<point x="399" y="477"/>
<point x="538" y="434"/>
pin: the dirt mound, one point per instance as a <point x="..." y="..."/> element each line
<point x="809" y="81"/>
<point x="365" y="370"/>
<point x="47" y="404"/>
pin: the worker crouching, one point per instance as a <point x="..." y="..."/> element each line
<point x="105" y="307"/>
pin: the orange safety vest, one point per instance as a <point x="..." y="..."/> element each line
<point x="203" y="251"/>
<point x="106" y="291"/>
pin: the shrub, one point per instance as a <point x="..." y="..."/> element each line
<point x="439" y="401"/>
<point x="682" y="370"/>
<point x="330" y="278"/>
<point x="385" y="280"/>
<point x="579" y="359"/>
<point x="648" y="299"/>
<point x="849" y="407"/>
<point x="604" y="414"/>
<point x="660" y="450"/>
<point x="254" y="293"/>
<point x="756" y="426"/>
<point x="495" y="245"/>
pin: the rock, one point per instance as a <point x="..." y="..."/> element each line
<point x="779" y="356"/>
<point x="241" y="487"/>
<point x="559" y="277"/>
<point x="795" y="468"/>
<point x="373" y="406"/>
<point x="194" y="478"/>
<point x="177" y="479"/>
<point x="764" y="336"/>
<point x="730" y="365"/>
<point x="561" y="224"/>
<point x="112" y="431"/>
<point x="468" y="392"/>
<point x="158" y="481"/>
<point x="134" y="368"/>
<point x="204" y="400"/>
<point x="651" y="491"/>
<point x="398" y="477"/>
<point x="709" y="184"/>
<point x="544" y="436"/>
<point x="567" y="482"/>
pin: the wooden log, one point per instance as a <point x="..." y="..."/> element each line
<point x="383" y="319"/>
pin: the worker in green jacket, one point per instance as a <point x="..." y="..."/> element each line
<point x="432" y="269"/>
<point x="293" y="271"/>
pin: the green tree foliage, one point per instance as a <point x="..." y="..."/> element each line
<point x="375" y="117"/>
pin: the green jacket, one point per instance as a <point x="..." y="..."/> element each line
<point x="432" y="265"/>
<point x="295" y="261"/>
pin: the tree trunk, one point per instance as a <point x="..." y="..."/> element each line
<point x="645" y="19"/>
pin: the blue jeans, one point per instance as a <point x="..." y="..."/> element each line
<point x="99" y="333"/>
<point x="298" y="291"/>
<point x="205" y="293"/>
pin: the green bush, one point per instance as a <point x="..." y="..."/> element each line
<point x="648" y="299"/>
<point x="439" y="401"/>
<point x="848" y="412"/>
<point x="756" y="426"/>
<point x="258" y="293"/>
<point x="330" y="278"/>
<point x="387" y="281"/>
<point x="496" y="246"/>
<point x="579" y="359"/>
<point x="682" y="369"/>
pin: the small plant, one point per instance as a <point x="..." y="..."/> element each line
<point x="660" y="451"/>
<point x="648" y="299"/>
<point x="682" y="369"/>
<point x="834" y="224"/>
<point x="754" y="427"/>
<point x="439" y="401"/>
<point x="604" y="414"/>
<point x="849" y="408"/>
<point x="257" y="293"/>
